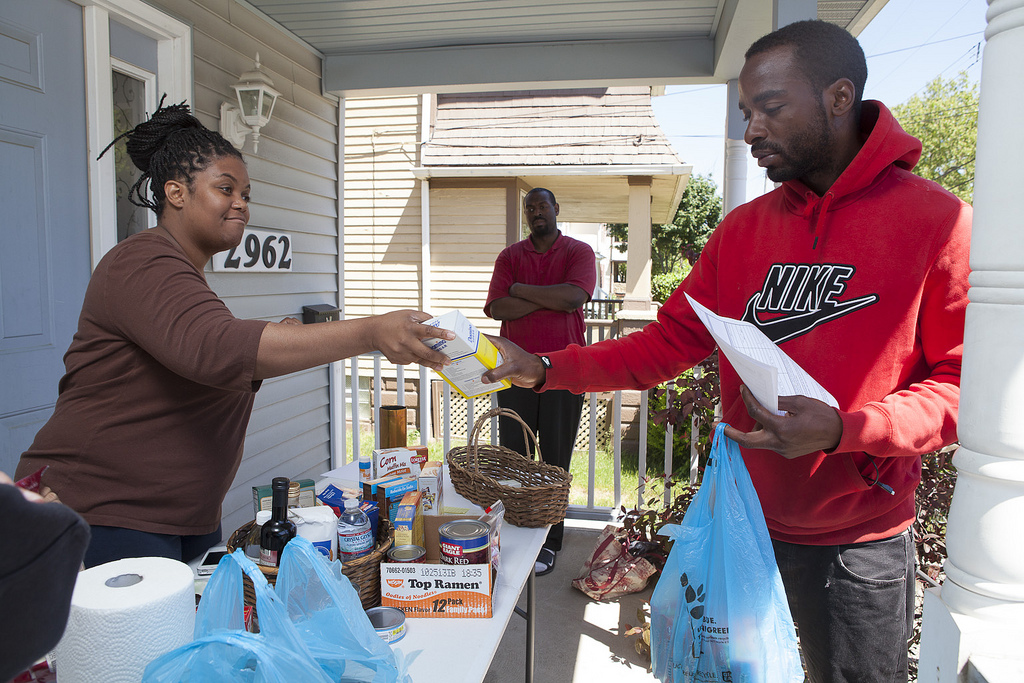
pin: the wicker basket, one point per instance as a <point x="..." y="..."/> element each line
<point x="363" y="572"/>
<point x="477" y="471"/>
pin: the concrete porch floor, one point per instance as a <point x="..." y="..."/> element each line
<point x="576" y="638"/>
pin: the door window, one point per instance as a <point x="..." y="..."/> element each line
<point x="129" y="110"/>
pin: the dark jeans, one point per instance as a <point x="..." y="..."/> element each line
<point x="111" y="543"/>
<point x="554" y="416"/>
<point x="853" y="606"/>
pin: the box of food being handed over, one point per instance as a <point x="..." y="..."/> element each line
<point x="472" y="355"/>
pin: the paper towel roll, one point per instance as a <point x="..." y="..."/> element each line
<point x="125" y="614"/>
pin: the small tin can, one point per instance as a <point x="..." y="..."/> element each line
<point x="407" y="553"/>
<point x="388" y="622"/>
<point x="465" y="541"/>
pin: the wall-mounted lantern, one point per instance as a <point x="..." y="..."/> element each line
<point x="255" y="105"/>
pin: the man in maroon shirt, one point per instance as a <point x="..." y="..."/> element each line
<point x="537" y="291"/>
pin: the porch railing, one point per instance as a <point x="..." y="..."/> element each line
<point x="349" y="411"/>
<point x="601" y="309"/>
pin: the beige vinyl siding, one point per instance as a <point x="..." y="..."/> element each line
<point x="294" y="190"/>
<point x="467" y="232"/>
<point x="382" y="205"/>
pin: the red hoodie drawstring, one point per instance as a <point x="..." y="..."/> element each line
<point x="820" y="207"/>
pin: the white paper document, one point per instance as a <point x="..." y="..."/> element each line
<point x="763" y="367"/>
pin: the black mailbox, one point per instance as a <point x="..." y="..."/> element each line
<point x="320" y="313"/>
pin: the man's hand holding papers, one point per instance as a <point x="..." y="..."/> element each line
<point x="802" y="420"/>
<point x="806" y="426"/>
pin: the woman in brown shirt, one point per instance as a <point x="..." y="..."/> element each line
<point x="150" y="420"/>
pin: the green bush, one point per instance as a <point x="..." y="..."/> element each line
<point x="663" y="284"/>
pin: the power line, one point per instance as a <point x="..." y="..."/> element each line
<point x="934" y="42"/>
<point x="927" y="42"/>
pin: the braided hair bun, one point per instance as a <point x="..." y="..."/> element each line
<point x="172" y="145"/>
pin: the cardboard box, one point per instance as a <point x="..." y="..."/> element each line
<point x="431" y="485"/>
<point x="472" y="355"/>
<point x="409" y="520"/>
<point x="263" y="496"/>
<point x="439" y="591"/>
<point x="397" y="462"/>
<point x="369" y="488"/>
<point x="389" y="495"/>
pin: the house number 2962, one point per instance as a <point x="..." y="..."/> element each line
<point x="260" y="251"/>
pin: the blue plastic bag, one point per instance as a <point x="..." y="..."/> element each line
<point x="223" y="651"/>
<point x="326" y="612"/>
<point x="719" y="611"/>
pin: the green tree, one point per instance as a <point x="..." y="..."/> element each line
<point x="945" y="119"/>
<point x="697" y="215"/>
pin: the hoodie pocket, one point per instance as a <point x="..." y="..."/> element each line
<point x="859" y="470"/>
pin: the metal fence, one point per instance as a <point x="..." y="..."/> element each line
<point x="454" y="410"/>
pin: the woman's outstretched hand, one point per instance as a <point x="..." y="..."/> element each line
<point x="399" y="336"/>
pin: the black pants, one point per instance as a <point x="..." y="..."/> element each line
<point x="554" y="416"/>
<point x="853" y="606"/>
<point x="111" y="543"/>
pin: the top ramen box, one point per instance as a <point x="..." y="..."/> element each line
<point x="438" y="591"/>
<point x="472" y="355"/>
<point x="405" y="462"/>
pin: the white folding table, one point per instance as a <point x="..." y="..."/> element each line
<point x="460" y="650"/>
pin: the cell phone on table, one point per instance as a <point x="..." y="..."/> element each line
<point x="211" y="559"/>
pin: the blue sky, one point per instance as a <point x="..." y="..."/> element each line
<point x="908" y="44"/>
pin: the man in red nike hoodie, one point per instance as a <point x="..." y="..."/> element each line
<point x="858" y="270"/>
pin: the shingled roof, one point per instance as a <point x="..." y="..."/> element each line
<point x="577" y="127"/>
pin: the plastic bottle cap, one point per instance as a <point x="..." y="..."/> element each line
<point x="351" y="503"/>
<point x="262" y="517"/>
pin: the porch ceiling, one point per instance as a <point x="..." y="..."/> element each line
<point x="389" y="46"/>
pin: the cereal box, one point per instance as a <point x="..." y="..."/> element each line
<point x="431" y="484"/>
<point x="409" y="520"/>
<point x="389" y="496"/>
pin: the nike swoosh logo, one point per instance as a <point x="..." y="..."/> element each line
<point x="791" y="326"/>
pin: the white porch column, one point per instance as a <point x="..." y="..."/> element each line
<point x="736" y="150"/>
<point x="978" y="613"/>
<point x="638" y="259"/>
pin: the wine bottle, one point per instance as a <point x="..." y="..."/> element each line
<point x="276" y="533"/>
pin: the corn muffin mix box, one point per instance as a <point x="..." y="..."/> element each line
<point x="397" y="462"/>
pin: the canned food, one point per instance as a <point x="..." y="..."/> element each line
<point x="465" y="541"/>
<point x="407" y="553"/>
<point x="388" y="622"/>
